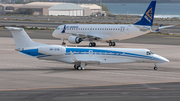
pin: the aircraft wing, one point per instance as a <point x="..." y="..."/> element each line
<point x="83" y="36"/>
<point x="86" y="60"/>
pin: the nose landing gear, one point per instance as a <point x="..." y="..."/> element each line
<point x="155" y="68"/>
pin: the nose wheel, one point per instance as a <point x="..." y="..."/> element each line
<point x="63" y="43"/>
<point x="155" y="68"/>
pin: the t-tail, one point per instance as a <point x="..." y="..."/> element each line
<point x="148" y="17"/>
<point x="22" y="40"/>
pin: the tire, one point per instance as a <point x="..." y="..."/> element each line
<point x="113" y="44"/>
<point x="155" y="68"/>
<point x="94" y="44"/>
<point x="75" y="67"/>
<point x="110" y="43"/>
<point x="79" y="68"/>
<point x="63" y="43"/>
<point x="90" y="44"/>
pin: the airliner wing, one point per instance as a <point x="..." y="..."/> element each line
<point x="84" y="60"/>
<point x="83" y="36"/>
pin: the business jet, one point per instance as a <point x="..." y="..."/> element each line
<point x="76" y="33"/>
<point x="82" y="56"/>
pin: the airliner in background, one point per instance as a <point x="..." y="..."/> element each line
<point x="76" y="33"/>
<point x="82" y="56"/>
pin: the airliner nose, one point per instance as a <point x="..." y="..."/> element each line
<point x="55" y="34"/>
<point x="163" y="59"/>
<point x="166" y="60"/>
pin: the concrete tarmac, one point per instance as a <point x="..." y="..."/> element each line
<point x="134" y="92"/>
<point x="26" y="78"/>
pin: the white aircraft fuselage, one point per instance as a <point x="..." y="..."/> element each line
<point x="81" y="56"/>
<point x="101" y="32"/>
<point x="76" y="33"/>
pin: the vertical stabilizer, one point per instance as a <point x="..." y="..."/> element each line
<point x="22" y="40"/>
<point x="148" y="17"/>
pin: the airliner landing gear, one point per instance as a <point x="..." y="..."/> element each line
<point x="155" y="68"/>
<point x="111" y="43"/>
<point x="63" y="43"/>
<point x="80" y="66"/>
<point x="92" y="44"/>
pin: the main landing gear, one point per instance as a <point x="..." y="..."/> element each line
<point x="79" y="66"/>
<point x="92" y="44"/>
<point x="111" y="43"/>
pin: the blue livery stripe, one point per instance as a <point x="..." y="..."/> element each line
<point x="107" y="52"/>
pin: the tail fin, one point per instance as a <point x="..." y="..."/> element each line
<point x="148" y="17"/>
<point x="22" y="40"/>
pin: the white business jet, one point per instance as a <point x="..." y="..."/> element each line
<point x="76" y="33"/>
<point x="82" y="56"/>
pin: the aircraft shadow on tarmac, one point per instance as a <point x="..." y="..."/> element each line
<point x="59" y="69"/>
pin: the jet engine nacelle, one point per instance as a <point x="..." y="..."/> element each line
<point x="74" y="40"/>
<point x="52" y="50"/>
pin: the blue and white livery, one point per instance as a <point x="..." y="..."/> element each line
<point x="81" y="56"/>
<point x="76" y="33"/>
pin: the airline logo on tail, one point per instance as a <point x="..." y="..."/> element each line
<point x="149" y="15"/>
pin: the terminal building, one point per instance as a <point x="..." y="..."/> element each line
<point x="55" y="9"/>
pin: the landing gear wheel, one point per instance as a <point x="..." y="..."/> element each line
<point x="63" y="43"/>
<point x="79" y="68"/>
<point x="110" y="43"/>
<point x="92" y="44"/>
<point x="155" y="68"/>
<point x="75" y="67"/>
<point x="113" y="44"/>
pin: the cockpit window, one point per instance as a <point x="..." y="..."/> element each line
<point x="149" y="53"/>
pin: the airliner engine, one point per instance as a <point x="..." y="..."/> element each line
<point x="52" y="50"/>
<point x="74" y="40"/>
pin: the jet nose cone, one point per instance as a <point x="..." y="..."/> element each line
<point x="54" y="34"/>
<point x="166" y="60"/>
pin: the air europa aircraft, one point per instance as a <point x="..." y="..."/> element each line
<point x="76" y="33"/>
<point x="82" y="56"/>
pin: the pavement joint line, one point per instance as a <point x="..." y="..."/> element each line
<point x="138" y="75"/>
<point x="75" y="87"/>
<point x="172" y="37"/>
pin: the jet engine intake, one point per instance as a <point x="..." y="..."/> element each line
<point x="74" y="40"/>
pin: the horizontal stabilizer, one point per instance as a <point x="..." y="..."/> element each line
<point x="161" y="27"/>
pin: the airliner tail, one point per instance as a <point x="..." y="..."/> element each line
<point x="148" y="17"/>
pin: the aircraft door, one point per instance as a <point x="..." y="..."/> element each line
<point x="90" y="52"/>
<point x="127" y="30"/>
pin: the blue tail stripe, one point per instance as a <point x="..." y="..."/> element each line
<point x="63" y="31"/>
<point x="148" y="17"/>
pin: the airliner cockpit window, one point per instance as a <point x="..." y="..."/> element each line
<point x="149" y="53"/>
